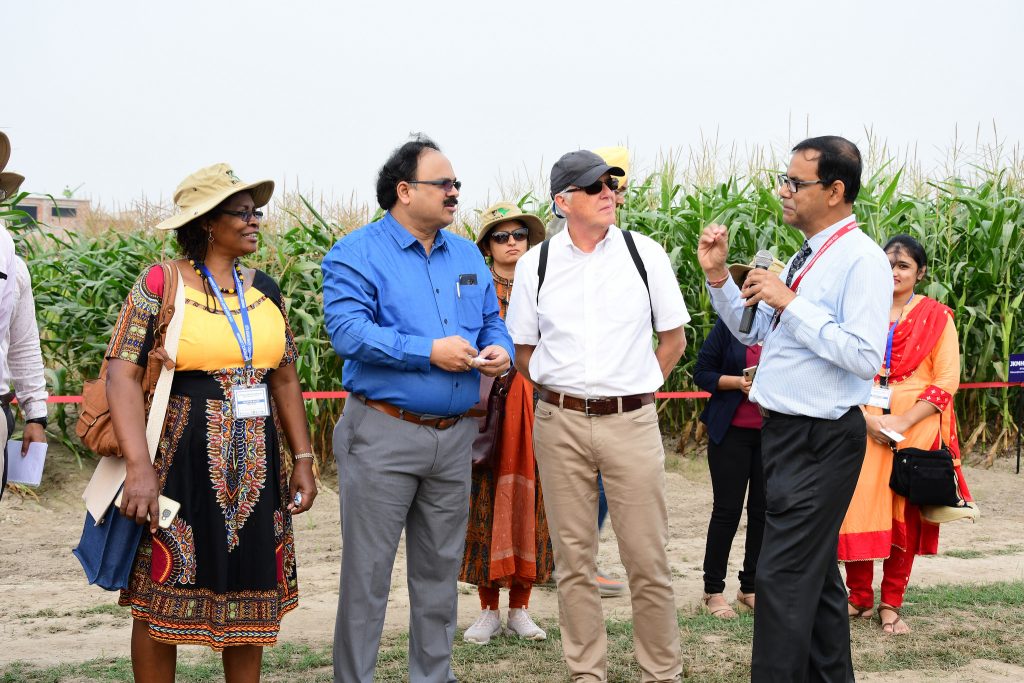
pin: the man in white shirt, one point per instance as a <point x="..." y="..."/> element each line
<point x="21" y="363"/>
<point x="583" y="337"/>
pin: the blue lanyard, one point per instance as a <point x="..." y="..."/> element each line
<point x="244" y="343"/>
<point x="888" y="345"/>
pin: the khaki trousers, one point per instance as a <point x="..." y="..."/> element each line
<point x="626" y="449"/>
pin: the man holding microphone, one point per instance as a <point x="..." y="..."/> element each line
<point x="823" y="325"/>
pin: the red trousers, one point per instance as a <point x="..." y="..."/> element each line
<point x="895" y="576"/>
<point x="518" y="596"/>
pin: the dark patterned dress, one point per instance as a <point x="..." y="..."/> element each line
<point x="476" y="559"/>
<point x="224" y="573"/>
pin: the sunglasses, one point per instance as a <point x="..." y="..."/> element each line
<point x="596" y="187"/>
<point x="519" y="235"/>
<point x="245" y="215"/>
<point x="446" y="184"/>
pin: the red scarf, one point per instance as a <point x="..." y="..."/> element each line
<point x="915" y="337"/>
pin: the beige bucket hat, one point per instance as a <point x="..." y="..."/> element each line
<point x="940" y="514"/>
<point x="739" y="270"/>
<point x="9" y="182"/>
<point x="201" y="192"/>
<point x="507" y="211"/>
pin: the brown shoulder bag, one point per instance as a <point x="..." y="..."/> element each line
<point x="94" y="427"/>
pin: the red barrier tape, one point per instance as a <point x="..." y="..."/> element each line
<point x="327" y="395"/>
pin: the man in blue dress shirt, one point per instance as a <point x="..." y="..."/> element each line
<point x="824" y="328"/>
<point x="411" y="308"/>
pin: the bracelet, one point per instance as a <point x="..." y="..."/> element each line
<point x="718" y="283"/>
<point x="304" y="456"/>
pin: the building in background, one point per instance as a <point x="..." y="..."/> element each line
<point x="58" y="213"/>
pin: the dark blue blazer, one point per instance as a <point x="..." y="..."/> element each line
<point x="721" y="354"/>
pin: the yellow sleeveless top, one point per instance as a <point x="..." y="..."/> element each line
<point x="207" y="342"/>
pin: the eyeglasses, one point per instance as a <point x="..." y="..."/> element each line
<point x="596" y="187"/>
<point x="446" y="184"/>
<point x="245" y="215"/>
<point x="794" y="185"/>
<point x="519" y="235"/>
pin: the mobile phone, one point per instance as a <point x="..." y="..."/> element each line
<point x="748" y="373"/>
<point x="168" y="509"/>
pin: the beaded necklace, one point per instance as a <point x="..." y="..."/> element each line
<point x="224" y="290"/>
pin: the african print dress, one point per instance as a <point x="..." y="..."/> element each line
<point x="224" y="572"/>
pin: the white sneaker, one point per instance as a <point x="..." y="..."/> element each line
<point x="520" y="623"/>
<point x="484" y="628"/>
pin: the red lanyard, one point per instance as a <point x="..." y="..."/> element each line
<point x="849" y="227"/>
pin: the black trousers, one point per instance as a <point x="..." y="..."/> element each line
<point x="734" y="463"/>
<point x="801" y="628"/>
<point x="8" y="417"/>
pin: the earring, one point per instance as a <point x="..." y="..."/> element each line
<point x="211" y="236"/>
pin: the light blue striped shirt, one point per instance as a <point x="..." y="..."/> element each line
<point x="822" y="357"/>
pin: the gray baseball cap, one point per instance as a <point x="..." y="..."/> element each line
<point x="579" y="168"/>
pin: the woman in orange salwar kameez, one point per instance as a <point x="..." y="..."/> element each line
<point x="507" y="541"/>
<point x="923" y="372"/>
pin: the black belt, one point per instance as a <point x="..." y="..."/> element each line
<point x="765" y="412"/>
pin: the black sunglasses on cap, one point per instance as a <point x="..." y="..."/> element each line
<point x="596" y="187"/>
<point x="519" y="235"/>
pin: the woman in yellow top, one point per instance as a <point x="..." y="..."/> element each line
<point x="922" y="368"/>
<point x="223" y="573"/>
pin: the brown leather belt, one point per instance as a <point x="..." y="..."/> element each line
<point x="597" y="406"/>
<point x="439" y="423"/>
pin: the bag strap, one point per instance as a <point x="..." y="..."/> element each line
<point x="542" y="265"/>
<point x="173" y="304"/>
<point x="110" y="472"/>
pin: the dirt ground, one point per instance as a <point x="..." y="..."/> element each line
<point x="51" y="615"/>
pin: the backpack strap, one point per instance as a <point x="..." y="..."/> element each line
<point x="542" y="265"/>
<point x="638" y="262"/>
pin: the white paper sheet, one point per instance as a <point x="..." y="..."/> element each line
<point x="27" y="470"/>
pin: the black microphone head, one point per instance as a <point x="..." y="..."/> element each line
<point x="763" y="259"/>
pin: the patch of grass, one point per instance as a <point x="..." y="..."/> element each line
<point x="969" y="554"/>
<point x="111" y="608"/>
<point x="953" y="624"/>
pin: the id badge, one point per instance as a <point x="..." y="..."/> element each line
<point x="251" y="401"/>
<point x="880" y="397"/>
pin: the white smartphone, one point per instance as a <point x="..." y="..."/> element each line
<point x="168" y="509"/>
<point x="893" y="436"/>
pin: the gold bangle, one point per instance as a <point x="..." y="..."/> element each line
<point x="304" y="456"/>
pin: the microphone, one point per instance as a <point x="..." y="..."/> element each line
<point x="762" y="259"/>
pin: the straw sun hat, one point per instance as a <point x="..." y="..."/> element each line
<point x="204" y="190"/>
<point x="507" y="211"/>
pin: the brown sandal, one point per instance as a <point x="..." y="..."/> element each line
<point x="889" y="628"/>
<point x="723" y="611"/>
<point x="859" y="612"/>
<point x="745" y="601"/>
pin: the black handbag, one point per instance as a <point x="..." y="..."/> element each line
<point x="925" y="477"/>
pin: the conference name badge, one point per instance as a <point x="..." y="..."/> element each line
<point x="251" y="401"/>
<point x="880" y="397"/>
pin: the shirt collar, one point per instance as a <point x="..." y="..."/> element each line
<point x="403" y="237"/>
<point x="562" y="239"/>
<point x="823" y="236"/>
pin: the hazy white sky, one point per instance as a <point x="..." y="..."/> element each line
<point x="128" y="97"/>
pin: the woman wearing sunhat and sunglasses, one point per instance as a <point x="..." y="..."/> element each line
<point x="223" y="573"/>
<point x="507" y="542"/>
